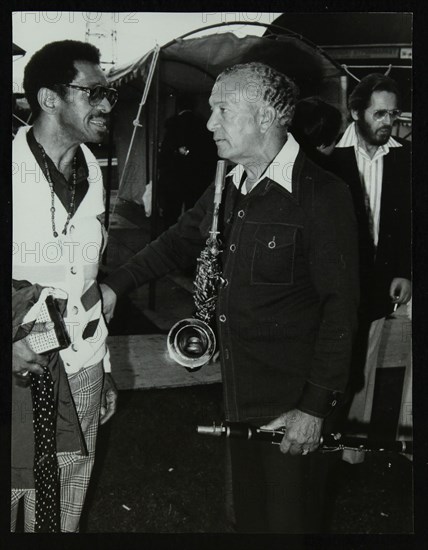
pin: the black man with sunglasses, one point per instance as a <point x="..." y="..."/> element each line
<point x="65" y="388"/>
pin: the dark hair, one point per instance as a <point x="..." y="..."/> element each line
<point x="54" y="64"/>
<point x="315" y="122"/>
<point x="375" y="82"/>
<point x="278" y="91"/>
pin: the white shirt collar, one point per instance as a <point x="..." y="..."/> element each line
<point x="279" y="170"/>
<point x="350" y="139"/>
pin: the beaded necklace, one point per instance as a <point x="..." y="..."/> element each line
<point x="73" y="194"/>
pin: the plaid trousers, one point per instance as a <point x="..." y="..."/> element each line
<point x="75" y="469"/>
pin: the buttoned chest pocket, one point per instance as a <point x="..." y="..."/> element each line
<point x="274" y="254"/>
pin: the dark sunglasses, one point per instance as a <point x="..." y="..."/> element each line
<point x="97" y="93"/>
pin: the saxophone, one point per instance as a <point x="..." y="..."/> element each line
<point x="192" y="342"/>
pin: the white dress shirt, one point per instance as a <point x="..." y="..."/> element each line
<point x="371" y="173"/>
<point x="279" y="170"/>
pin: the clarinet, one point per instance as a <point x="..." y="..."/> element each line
<point x="328" y="442"/>
<point x="192" y="342"/>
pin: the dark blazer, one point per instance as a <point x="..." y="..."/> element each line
<point x="287" y="313"/>
<point x="393" y="255"/>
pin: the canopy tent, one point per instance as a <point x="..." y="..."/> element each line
<point x="190" y="66"/>
<point x="363" y="43"/>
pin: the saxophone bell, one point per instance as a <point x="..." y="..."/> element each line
<point x="191" y="343"/>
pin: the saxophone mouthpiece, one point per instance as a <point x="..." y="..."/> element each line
<point x="220" y="176"/>
<point x="220" y="172"/>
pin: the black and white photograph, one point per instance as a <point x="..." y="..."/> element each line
<point x="211" y="264"/>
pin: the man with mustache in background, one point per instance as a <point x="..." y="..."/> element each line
<point x="59" y="398"/>
<point x="376" y="168"/>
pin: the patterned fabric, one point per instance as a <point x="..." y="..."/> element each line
<point x="28" y="496"/>
<point x="45" y="461"/>
<point x="371" y="174"/>
<point x="24" y="296"/>
<point x="74" y="469"/>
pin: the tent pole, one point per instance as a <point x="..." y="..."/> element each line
<point x="344" y="99"/>
<point x="154" y="216"/>
<point x="136" y="122"/>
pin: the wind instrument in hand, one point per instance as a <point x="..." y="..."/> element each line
<point x="328" y="442"/>
<point x="192" y="342"/>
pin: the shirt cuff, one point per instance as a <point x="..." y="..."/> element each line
<point x="318" y="401"/>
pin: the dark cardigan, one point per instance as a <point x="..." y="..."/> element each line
<point x="287" y="313"/>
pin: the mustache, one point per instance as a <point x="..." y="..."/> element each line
<point x="100" y="114"/>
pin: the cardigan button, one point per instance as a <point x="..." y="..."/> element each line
<point x="74" y="347"/>
<point x="241" y="214"/>
<point x="222" y="318"/>
<point x="75" y="310"/>
<point x="232" y="247"/>
<point x="73" y="270"/>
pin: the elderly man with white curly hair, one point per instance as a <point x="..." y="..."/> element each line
<point x="286" y="311"/>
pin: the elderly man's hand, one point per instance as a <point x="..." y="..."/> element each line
<point x="109" y="301"/>
<point x="302" y="431"/>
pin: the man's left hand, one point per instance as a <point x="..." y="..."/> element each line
<point x="108" y="399"/>
<point x="303" y="431"/>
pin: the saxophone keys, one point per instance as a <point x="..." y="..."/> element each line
<point x="223" y="282"/>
